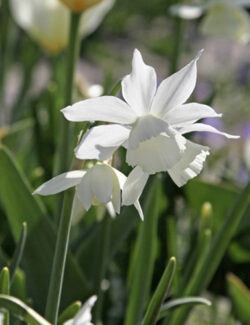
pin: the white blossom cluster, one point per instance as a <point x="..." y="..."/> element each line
<point x="151" y="123"/>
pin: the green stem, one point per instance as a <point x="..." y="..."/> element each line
<point x="58" y="268"/>
<point x="178" y="26"/>
<point x="62" y="243"/>
<point x="66" y="128"/>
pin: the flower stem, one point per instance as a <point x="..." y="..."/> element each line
<point x="58" y="268"/>
<point x="66" y="128"/>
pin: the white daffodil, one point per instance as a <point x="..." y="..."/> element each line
<point x="151" y="124"/>
<point x="100" y="184"/>
<point x="48" y="21"/>
<point x="83" y="317"/>
<point x="223" y="18"/>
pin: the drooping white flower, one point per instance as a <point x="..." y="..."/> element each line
<point x="151" y="124"/>
<point x="100" y="184"/>
<point x="48" y="21"/>
<point x="223" y="18"/>
<point x="83" y="317"/>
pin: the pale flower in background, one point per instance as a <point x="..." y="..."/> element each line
<point x="47" y="21"/>
<point x="100" y="184"/>
<point x="223" y="18"/>
<point x="151" y="124"/>
<point x="83" y="317"/>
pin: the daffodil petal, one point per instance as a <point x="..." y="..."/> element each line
<point x="84" y="315"/>
<point x="84" y="190"/>
<point x="190" y="165"/>
<point x="205" y="128"/>
<point x="138" y="88"/>
<point x="176" y="89"/>
<point x="146" y="127"/>
<point x="189" y="113"/>
<point x="121" y="177"/>
<point x="60" y="183"/>
<point x="134" y="186"/>
<point x="105" y="108"/>
<point x="139" y="209"/>
<point x="155" y="155"/>
<point x="100" y="142"/>
<point x="116" y="193"/>
<point x="111" y="210"/>
<point x="102" y="182"/>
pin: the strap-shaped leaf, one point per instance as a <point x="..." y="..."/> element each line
<point x="17" y="307"/>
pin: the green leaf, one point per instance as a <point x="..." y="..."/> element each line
<point x="143" y="263"/>
<point x="17" y="307"/>
<point x="160" y="294"/>
<point x="240" y="296"/>
<point x="19" y="251"/>
<point x="5" y="289"/>
<point x="69" y="312"/>
<point x="21" y="206"/>
<point x="180" y="302"/>
<point x="208" y="265"/>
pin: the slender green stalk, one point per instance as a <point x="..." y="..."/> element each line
<point x="160" y="294"/>
<point x="104" y="250"/>
<point x="58" y="268"/>
<point x="209" y="264"/>
<point x="18" y="252"/>
<point x="178" y="27"/>
<point x="66" y="128"/>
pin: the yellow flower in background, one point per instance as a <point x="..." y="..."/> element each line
<point x="80" y="5"/>
<point x="47" y="21"/>
<point x="223" y="18"/>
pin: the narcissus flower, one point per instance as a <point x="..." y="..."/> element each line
<point x="80" y="5"/>
<point x="151" y="124"/>
<point x="100" y="184"/>
<point x="83" y="317"/>
<point x="47" y="21"/>
<point x="223" y="18"/>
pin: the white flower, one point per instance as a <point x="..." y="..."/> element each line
<point x="101" y="184"/>
<point x="47" y="21"/>
<point x="223" y="18"/>
<point x="83" y="317"/>
<point x="150" y="124"/>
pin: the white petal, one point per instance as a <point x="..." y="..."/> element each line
<point x="60" y="183"/>
<point x="134" y="186"/>
<point x="120" y="176"/>
<point x="84" y="315"/>
<point x="92" y="17"/>
<point x="155" y="155"/>
<point x="139" y="209"/>
<point x="84" y="190"/>
<point x="100" y="142"/>
<point x="77" y="209"/>
<point x="205" y="128"/>
<point x="138" y="88"/>
<point x="146" y="127"/>
<point x="189" y="113"/>
<point x="190" y="164"/>
<point x="105" y="108"/>
<point x="111" y="209"/>
<point x="186" y="11"/>
<point x="102" y="182"/>
<point x="116" y="192"/>
<point x="176" y="89"/>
